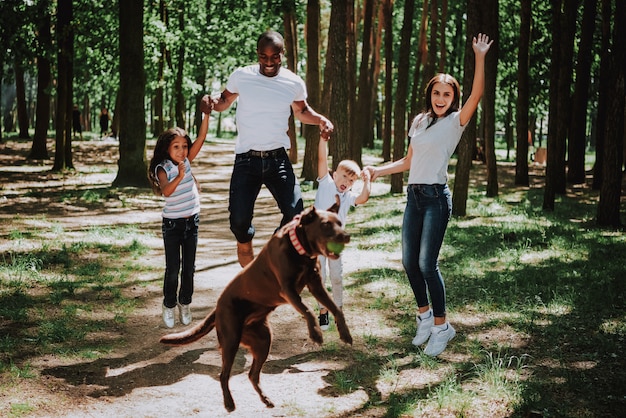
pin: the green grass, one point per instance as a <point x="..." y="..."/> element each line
<point x="539" y="299"/>
<point x="59" y="293"/>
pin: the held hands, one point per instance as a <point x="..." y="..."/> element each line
<point x="326" y="128"/>
<point x="481" y="44"/>
<point x="372" y="173"/>
<point x="207" y="103"/>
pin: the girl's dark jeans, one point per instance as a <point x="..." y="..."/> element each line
<point x="428" y="210"/>
<point x="180" y="237"/>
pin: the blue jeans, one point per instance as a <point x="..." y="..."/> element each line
<point x="426" y="217"/>
<point x="249" y="174"/>
<point x="180" y="237"/>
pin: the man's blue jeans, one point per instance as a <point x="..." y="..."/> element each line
<point x="180" y="237"/>
<point x="249" y="174"/>
<point x="426" y="217"/>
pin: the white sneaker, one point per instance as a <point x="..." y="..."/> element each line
<point x="168" y="316"/>
<point x="185" y="314"/>
<point x="439" y="339"/>
<point x="424" y="326"/>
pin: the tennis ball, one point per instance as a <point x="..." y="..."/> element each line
<point x="335" y="247"/>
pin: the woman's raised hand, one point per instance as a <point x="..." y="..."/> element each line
<point x="481" y="44"/>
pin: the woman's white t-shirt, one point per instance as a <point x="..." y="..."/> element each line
<point x="433" y="147"/>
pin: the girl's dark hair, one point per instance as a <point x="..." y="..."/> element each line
<point x="445" y="79"/>
<point x="161" y="154"/>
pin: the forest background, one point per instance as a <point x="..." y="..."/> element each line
<point x="555" y="77"/>
<point x="534" y="271"/>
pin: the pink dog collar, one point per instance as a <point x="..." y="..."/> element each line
<point x="294" y="238"/>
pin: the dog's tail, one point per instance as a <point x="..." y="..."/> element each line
<point x="192" y="334"/>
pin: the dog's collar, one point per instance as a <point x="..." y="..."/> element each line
<point x="294" y="238"/>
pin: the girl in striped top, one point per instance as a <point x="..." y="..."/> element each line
<point x="170" y="176"/>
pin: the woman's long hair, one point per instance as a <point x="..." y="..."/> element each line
<point x="161" y="154"/>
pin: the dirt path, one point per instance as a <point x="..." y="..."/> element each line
<point x="142" y="378"/>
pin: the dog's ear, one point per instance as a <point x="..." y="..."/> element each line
<point x="335" y="207"/>
<point x="308" y="215"/>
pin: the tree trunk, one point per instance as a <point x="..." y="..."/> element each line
<point x="420" y="60"/>
<point x="610" y="191"/>
<point x="291" y="47"/>
<point x="399" y="108"/>
<point x="465" y="149"/>
<point x="552" y="140"/>
<point x="363" y="123"/>
<point x="312" y="133"/>
<point x="39" y="150"/>
<point x="65" y="36"/>
<point x="489" y="24"/>
<point x="338" y="98"/>
<point x="132" y="135"/>
<point x="20" y="94"/>
<point x="578" y="135"/>
<point x="158" y="124"/>
<point x="603" y="93"/>
<point x="523" y="94"/>
<point x="387" y="120"/>
<point x="353" y="119"/>
<point x="180" y="106"/>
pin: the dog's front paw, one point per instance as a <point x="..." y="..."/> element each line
<point x="346" y="337"/>
<point x="316" y="335"/>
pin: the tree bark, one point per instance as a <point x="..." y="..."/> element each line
<point x="291" y="47"/>
<point x="363" y="126"/>
<point x="388" y="101"/>
<point x="338" y="98"/>
<point x="610" y="192"/>
<point x="39" y="150"/>
<point x="20" y="94"/>
<point x="400" y="102"/>
<point x="312" y="133"/>
<point x="420" y="60"/>
<point x="65" y="35"/>
<point x="603" y="93"/>
<point x="578" y="133"/>
<point x="132" y="135"/>
<point x="523" y="92"/>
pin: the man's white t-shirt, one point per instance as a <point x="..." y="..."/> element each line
<point x="264" y="107"/>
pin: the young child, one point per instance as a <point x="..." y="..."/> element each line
<point x="339" y="184"/>
<point x="170" y="175"/>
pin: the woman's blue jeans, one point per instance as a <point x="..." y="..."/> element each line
<point x="249" y="174"/>
<point x="180" y="237"/>
<point x="426" y="217"/>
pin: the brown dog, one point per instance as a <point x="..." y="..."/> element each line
<point x="284" y="267"/>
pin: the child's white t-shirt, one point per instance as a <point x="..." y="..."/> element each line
<point x="325" y="197"/>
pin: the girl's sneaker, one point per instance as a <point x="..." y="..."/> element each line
<point x="185" y="314"/>
<point x="425" y="322"/>
<point x="168" y="316"/>
<point x="440" y="335"/>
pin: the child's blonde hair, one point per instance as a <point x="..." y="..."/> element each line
<point x="349" y="166"/>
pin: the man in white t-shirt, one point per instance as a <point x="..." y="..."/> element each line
<point x="266" y="93"/>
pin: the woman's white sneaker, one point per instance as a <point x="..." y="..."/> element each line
<point x="439" y="337"/>
<point x="425" y="322"/>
